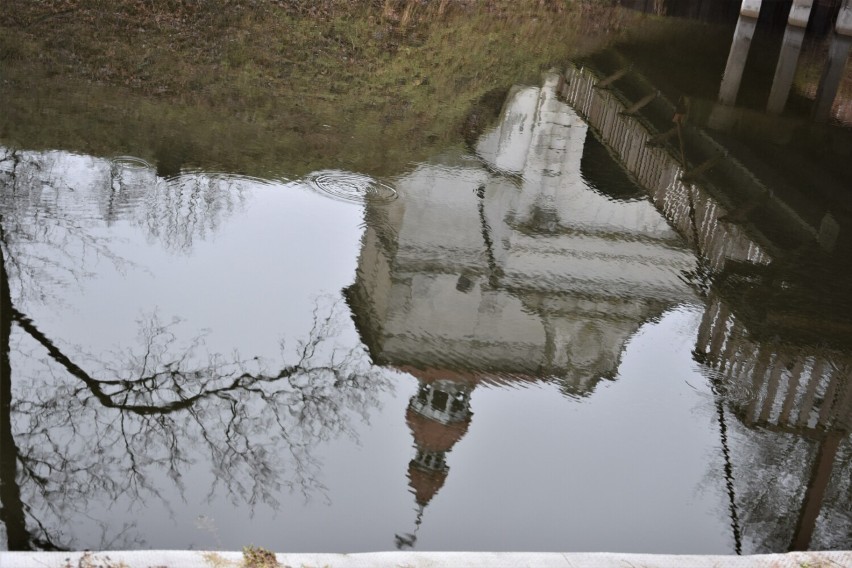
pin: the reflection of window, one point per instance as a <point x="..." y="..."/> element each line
<point x="434" y="461"/>
<point x="439" y="401"/>
<point x="458" y="405"/>
<point x="423" y="395"/>
<point x="464" y="284"/>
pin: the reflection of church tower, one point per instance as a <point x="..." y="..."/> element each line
<point x="438" y="416"/>
<point x="518" y="266"/>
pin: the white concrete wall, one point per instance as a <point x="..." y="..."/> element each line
<point x="215" y="559"/>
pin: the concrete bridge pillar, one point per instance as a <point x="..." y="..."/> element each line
<point x="743" y="34"/>
<point x="797" y="21"/>
<point x="838" y="53"/>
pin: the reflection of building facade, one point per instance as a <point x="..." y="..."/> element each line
<point x="530" y="269"/>
<point x="519" y="273"/>
<point x="517" y="268"/>
<point x="801" y="392"/>
<point x="693" y="209"/>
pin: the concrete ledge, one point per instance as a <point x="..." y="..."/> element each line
<point x="212" y="559"/>
<point x="800" y="13"/>
<point x="751" y="8"/>
<point x="844" y="20"/>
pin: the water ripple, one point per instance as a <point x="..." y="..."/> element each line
<point x="348" y="186"/>
<point x="196" y="175"/>
<point x="130" y="163"/>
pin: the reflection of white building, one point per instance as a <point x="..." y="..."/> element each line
<point x="551" y="232"/>
<point x="512" y="268"/>
<point x="526" y="271"/>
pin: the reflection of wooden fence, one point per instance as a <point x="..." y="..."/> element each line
<point x="779" y="384"/>
<point x="687" y="206"/>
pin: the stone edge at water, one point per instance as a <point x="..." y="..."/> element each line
<point x="214" y="559"/>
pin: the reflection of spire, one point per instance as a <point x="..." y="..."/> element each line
<point x="438" y="416"/>
<point x="408" y="540"/>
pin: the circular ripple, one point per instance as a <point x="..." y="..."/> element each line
<point x="130" y="163"/>
<point x="348" y="186"/>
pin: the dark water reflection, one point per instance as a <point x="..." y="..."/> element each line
<point x="595" y="329"/>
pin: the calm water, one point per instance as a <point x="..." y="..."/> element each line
<point x="558" y="337"/>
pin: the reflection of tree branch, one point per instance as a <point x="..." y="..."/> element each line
<point x="108" y="428"/>
<point x="172" y="377"/>
<point x="31" y="210"/>
<point x="718" y="391"/>
<point x="159" y="406"/>
<point x="12" y="510"/>
<point x="60" y="357"/>
<point x="11" y="506"/>
<point x="181" y="209"/>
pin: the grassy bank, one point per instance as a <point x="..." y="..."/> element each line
<point x="275" y="87"/>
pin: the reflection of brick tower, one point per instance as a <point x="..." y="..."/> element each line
<point x="438" y="416"/>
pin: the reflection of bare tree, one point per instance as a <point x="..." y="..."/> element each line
<point x="79" y="431"/>
<point x="835" y="521"/>
<point x="42" y="243"/>
<point x="111" y="433"/>
<point x="191" y="206"/>
<point x="808" y="479"/>
<point x="44" y="204"/>
<point x="174" y="210"/>
<point x="47" y="234"/>
<point x="770" y="491"/>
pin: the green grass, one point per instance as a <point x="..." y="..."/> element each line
<point x="275" y="87"/>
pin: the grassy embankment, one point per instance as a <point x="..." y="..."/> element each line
<point x="275" y="87"/>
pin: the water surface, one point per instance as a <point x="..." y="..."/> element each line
<point x="559" y="337"/>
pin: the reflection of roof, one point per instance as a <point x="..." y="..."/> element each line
<point x="456" y="293"/>
<point x="430" y="375"/>
<point x="433" y="436"/>
<point x="425" y="483"/>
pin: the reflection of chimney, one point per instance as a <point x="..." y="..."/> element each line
<point x="438" y="416"/>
